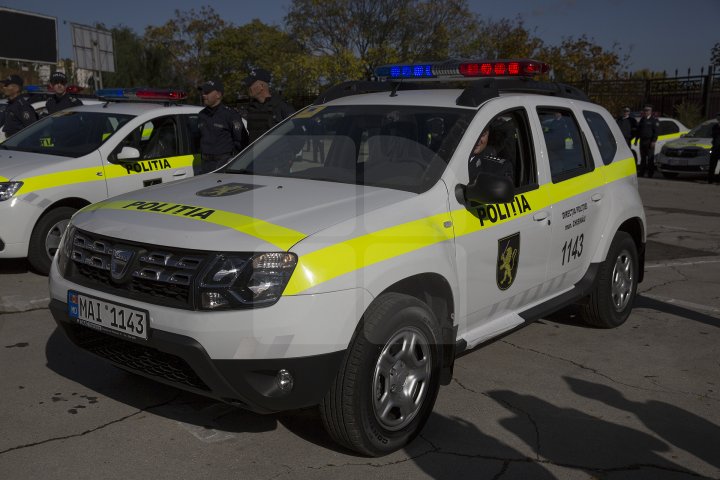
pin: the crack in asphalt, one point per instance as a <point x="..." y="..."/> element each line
<point x="506" y="462"/>
<point x="603" y="375"/>
<point x="91" y="430"/>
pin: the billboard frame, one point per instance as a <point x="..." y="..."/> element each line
<point x="57" y="42"/>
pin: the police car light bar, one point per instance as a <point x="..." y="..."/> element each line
<point x="154" y="94"/>
<point x="47" y="89"/>
<point x="459" y="69"/>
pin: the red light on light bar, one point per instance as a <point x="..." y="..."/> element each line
<point x="160" y="94"/>
<point x="74" y="89"/>
<point x="503" y="68"/>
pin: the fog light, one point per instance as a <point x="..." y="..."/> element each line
<point x="211" y="300"/>
<point x="285" y="380"/>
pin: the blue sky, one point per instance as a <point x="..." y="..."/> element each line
<point x="658" y="34"/>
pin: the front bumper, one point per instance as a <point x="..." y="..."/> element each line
<point x="692" y="165"/>
<point x="182" y="362"/>
<point x="17" y="219"/>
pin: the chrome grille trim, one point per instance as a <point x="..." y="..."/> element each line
<point x="159" y="275"/>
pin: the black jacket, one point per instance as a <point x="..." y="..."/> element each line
<point x="221" y="131"/>
<point x="628" y="126"/>
<point x="262" y="117"/>
<point x="18" y="115"/>
<point x="648" y="129"/>
<point x="56" y="103"/>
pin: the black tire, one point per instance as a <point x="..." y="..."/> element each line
<point x="611" y="301"/>
<point x="363" y="409"/>
<point x="669" y="174"/>
<point x="45" y="238"/>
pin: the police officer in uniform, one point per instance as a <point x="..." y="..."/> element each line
<point x="647" y="132"/>
<point x="19" y="113"/>
<point x="61" y="99"/>
<point x="627" y="124"/>
<point x="265" y="110"/>
<point x="484" y="159"/>
<point x="222" y="132"/>
<point x="715" y="155"/>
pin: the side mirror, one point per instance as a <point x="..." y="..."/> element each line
<point x="128" y="153"/>
<point x="486" y="188"/>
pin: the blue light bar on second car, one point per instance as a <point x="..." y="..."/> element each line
<point x="36" y="89"/>
<point x="146" y="94"/>
<point x="461" y="69"/>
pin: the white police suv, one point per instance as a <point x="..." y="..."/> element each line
<point x="346" y="257"/>
<point x="82" y="155"/>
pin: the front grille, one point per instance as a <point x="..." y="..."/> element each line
<point x="158" y="275"/>
<point x="684" y="152"/>
<point x="137" y="357"/>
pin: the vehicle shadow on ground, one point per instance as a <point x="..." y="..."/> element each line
<point x="14" y="265"/>
<point x="676" y="310"/>
<point x="204" y="417"/>
<point x="136" y="391"/>
<point x="570" y="315"/>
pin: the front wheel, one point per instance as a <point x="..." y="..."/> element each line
<point x="387" y="385"/>
<point x="611" y="300"/>
<point x="45" y="238"/>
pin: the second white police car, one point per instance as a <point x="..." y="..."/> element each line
<point x="346" y="257"/>
<point x="85" y="154"/>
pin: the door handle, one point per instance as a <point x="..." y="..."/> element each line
<point x="179" y="173"/>
<point x="540" y="216"/>
<point x="597" y="197"/>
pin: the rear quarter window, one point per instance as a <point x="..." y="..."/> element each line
<point x="604" y="138"/>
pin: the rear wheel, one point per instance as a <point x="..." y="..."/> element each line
<point x="387" y="385"/>
<point x="45" y="238"/>
<point x="611" y="300"/>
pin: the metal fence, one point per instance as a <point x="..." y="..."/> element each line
<point x="666" y="95"/>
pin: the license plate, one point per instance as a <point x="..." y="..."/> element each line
<point x="102" y="314"/>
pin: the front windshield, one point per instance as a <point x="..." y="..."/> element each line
<point x="703" y="130"/>
<point x="67" y="133"/>
<point x="405" y="148"/>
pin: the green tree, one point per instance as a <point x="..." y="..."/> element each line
<point x="137" y="63"/>
<point x="715" y="55"/>
<point x="234" y="51"/>
<point x="377" y="31"/>
<point x="502" y="39"/>
<point x="184" y="41"/>
<point x="580" y="58"/>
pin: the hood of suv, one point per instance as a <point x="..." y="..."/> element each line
<point x="222" y="212"/>
<point x="690" y="142"/>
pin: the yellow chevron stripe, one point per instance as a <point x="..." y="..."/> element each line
<point x="360" y="252"/>
<point x="281" y="237"/>
<point x="93" y="174"/>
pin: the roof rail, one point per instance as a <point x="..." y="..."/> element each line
<point x="479" y="91"/>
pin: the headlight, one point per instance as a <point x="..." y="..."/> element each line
<point x="64" y="251"/>
<point x="237" y="281"/>
<point x="8" y="189"/>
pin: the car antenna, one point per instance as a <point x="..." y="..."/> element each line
<point x="393" y="93"/>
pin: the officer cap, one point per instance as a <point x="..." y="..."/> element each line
<point x="58" y="77"/>
<point x="13" y="79"/>
<point x="211" y="85"/>
<point x="257" y="74"/>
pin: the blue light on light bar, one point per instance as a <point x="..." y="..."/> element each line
<point x="405" y="71"/>
<point x="110" y="92"/>
<point x="35" y="89"/>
